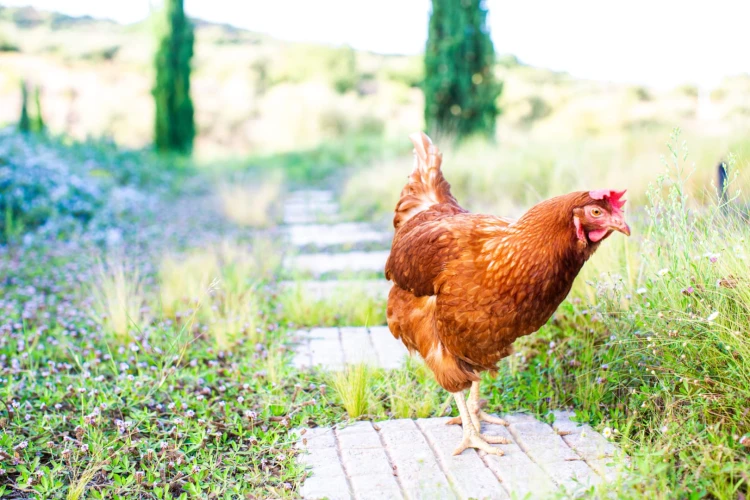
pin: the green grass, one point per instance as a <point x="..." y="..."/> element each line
<point x="201" y="398"/>
<point x="657" y="352"/>
<point x="376" y="394"/>
<point x="355" y="306"/>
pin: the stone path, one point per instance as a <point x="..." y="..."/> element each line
<point x="413" y="459"/>
<point x="345" y="262"/>
<point x="310" y="206"/>
<point x="322" y="235"/>
<point x="303" y="213"/>
<point x="319" y="290"/>
<point x="333" y="348"/>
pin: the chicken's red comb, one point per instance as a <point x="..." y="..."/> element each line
<point x="613" y="197"/>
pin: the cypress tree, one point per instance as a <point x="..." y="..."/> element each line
<point x="174" y="128"/>
<point x="460" y="87"/>
<point x="24" y="123"/>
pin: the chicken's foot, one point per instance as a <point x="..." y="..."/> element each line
<point x="472" y="438"/>
<point x="477" y="414"/>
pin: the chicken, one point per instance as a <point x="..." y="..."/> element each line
<point x="466" y="286"/>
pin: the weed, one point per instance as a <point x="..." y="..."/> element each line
<point x="251" y="204"/>
<point x="119" y="298"/>
<point x="353" y="388"/>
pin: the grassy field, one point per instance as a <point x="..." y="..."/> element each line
<point x="156" y="364"/>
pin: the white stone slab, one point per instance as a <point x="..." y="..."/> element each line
<point x="414" y="459"/>
<point x="320" y="263"/>
<point x="322" y="235"/>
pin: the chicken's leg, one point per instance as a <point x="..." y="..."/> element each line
<point x="472" y="438"/>
<point x="477" y="416"/>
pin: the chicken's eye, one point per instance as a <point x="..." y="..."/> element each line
<point x="596" y="212"/>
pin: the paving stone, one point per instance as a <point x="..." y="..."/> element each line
<point x="467" y="472"/>
<point x="414" y="459"/>
<point x="325" y="348"/>
<point x="358" y="347"/>
<point x="390" y="351"/>
<point x="519" y="475"/>
<point x="316" y="438"/>
<point x="334" y="348"/>
<point x="310" y="211"/>
<point x="323" y="235"/>
<point x="547" y="449"/>
<point x="326" y="486"/>
<point x="331" y="289"/>
<point x="594" y="448"/>
<point x="376" y="487"/>
<point x="310" y="196"/>
<point x="415" y="464"/>
<point x="320" y="263"/>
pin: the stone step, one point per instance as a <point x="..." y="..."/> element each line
<point x="310" y="196"/>
<point x="322" y="235"/>
<point x="309" y="213"/>
<point x="413" y="459"/>
<point x="321" y="263"/>
<point x="310" y="206"/>
<point x="322" y="290"/>
<point x="334" y="348"/>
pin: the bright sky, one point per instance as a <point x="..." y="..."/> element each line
<point x="655" y="42"/>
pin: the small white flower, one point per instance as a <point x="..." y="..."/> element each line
<point x="662" y="272"/>
<point x="641" y="291"/>
<point x="713" y="316"/>
<point x="607" y="432"/>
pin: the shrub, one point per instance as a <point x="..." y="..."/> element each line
<point x="37" y="184"/>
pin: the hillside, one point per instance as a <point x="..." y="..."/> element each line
<point x="257" y="94"/>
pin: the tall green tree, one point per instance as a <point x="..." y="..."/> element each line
<point x="24" y="122"/>
<point x="174" y="128"/>
<point x="460" y="87"/>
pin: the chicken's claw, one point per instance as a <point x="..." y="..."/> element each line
<point x="473" y="440"/>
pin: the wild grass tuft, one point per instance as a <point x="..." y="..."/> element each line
<point x="411" y="392"/>
<point x="345" y="307"/>
<point x="119" y="298"/>
<point x="251" y="204"/>
<point x="353" y="387"/>
<point x="232" y="315"/>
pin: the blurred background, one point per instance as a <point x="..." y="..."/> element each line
<point x="529" y="100"/>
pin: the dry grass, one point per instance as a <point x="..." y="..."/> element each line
<point x="221" y="285"/>
<point x="119" y="298"/>
<point x="251" y="204"/>
<point x="184" y="280"/>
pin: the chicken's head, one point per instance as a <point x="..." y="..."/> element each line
<point x="600" y="215"/>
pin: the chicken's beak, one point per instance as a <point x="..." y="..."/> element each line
<point x="621" y="226"/>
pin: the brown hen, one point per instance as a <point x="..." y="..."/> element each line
<point x="466" y="286"/>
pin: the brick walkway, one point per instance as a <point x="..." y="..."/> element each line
<point x="413" y="459"/>
<point x="322" y="235"/>
<point x="334" y="348"/>
<point x="320" y="263"/>
<point x="319" y="290"/>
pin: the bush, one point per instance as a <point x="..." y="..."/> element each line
<point x="43" y="180"/>
<point x="36" y="185"/>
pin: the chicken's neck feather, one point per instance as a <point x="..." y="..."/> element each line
<point x="542" y="244"/>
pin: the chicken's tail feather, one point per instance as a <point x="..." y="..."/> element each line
<point x="426" y="186"/>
